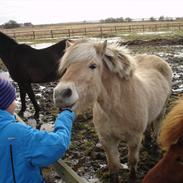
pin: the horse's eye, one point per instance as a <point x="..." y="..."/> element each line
<point x="64" y="71"/>
<point x="92" y="66"/>
<point x="180" y="160"/>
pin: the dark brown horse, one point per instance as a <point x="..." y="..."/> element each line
<point x="27" y="65"/>
<point x="170" y="168"/>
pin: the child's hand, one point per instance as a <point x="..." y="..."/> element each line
<point x="63" y="109"/>
<point x="18" y="118"/>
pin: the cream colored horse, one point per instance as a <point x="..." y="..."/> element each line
<point x="127" y="94"/>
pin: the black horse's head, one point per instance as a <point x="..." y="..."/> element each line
<point x="6" y="43"/>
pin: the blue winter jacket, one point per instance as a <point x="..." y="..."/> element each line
<point x="24" y="150"/>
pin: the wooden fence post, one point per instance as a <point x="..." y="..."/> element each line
<point x="143" y="29"/>
<point x="156" y="27"/>
<point x="101" y="32"/>
<point x="85" y="31"/>
<point x="115" y="28"/>
<point x="14" y="35"/>
<point x="129" y="28"/>
<point x="69" y="32"/>
<point x="51" y="32"/>
<point x="34" y="36"/>
<point x="67" y="173"/>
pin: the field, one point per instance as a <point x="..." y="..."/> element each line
<point x="60" y="31"/>
<point x="85" y="155"/>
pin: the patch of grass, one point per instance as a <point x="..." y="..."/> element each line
<point x="141" y="36"/>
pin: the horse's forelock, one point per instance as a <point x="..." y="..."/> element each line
<point x="117" y="59"/>
<point x="79" y="52"/>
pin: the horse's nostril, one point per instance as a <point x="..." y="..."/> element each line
<point x="66" y="92"/>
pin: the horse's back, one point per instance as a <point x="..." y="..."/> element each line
<point x="144" y="61"/>
<point x="28" y="64"/>
<point x="155" y="77"/>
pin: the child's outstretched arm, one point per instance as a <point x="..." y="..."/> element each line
<point x="44" y="148"/>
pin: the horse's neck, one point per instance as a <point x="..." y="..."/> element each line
<point x="6" y="61"/>
<point x="6" y="55"/>
<point x="6" y="47"/>
<point x="165" y="165"/>
<point x="58" y="48"/>
<point x="112" y="82"/>
<point x="112" y="88"/>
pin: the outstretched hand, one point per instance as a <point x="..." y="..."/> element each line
<point x="63" y="109"/>
<point x="18" y="118"/>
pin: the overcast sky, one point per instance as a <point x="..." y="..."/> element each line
<point x="59" y="11"/>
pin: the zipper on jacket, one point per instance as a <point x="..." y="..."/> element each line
<point x="12" y="163"/>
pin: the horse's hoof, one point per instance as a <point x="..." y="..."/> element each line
<point x="36" y="116"/>
<point x="38" y="126"/>
<point x="114" y="177"/>
<point x="132" y="178"/>
<point x="38" y="123"/>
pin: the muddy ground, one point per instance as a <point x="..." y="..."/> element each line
<point x="85" y="155"/>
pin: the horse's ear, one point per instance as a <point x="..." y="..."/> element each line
<point x="69" y="43"/>
<point x="104" y="46"/>
<point x="101" y="48"/>
<point x="118" y="63"/>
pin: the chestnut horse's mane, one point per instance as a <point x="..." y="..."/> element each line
<point x="172" y="126"/>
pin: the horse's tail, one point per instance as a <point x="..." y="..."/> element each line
<point x="172" y="126"/>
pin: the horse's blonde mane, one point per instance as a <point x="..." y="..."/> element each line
<point x="172" y="126"/>
<point x="117" y="58"/>
<point x="121" y="61"/>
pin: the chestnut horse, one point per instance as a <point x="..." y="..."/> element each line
<point x="170" y="168"/>
<point x="27" y="65"/>
<point x="127" y="94"/>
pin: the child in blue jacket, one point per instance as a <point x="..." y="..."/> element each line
<point x="24" y="150"/>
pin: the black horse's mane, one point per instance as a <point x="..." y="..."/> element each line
<point x="6" y="39"/>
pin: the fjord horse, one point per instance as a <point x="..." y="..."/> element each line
<point x="127" y="94"/>
<point x="170" y="168"/>
<point x="27" y="65"/>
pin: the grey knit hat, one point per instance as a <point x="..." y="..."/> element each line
<point x="7" y="93"/>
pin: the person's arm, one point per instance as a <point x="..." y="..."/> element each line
<point x="17" y="117"/>
<point x="44" y="148"/>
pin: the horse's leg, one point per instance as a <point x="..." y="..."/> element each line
<point x="148" y="141"/>
<point x="33" y="99"/>
<point x="113" y="158"/>
<point x="157" y="123"/>
<point x="154" y="150"/>
<point x="22" y="98"/>
<point x="134" y="144"/>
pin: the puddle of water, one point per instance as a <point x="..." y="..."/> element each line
<point x="41" y="45"/>
<point x="109" y="40"/>
<point x="178" y="55"/>
<point x="154" y="33"/>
